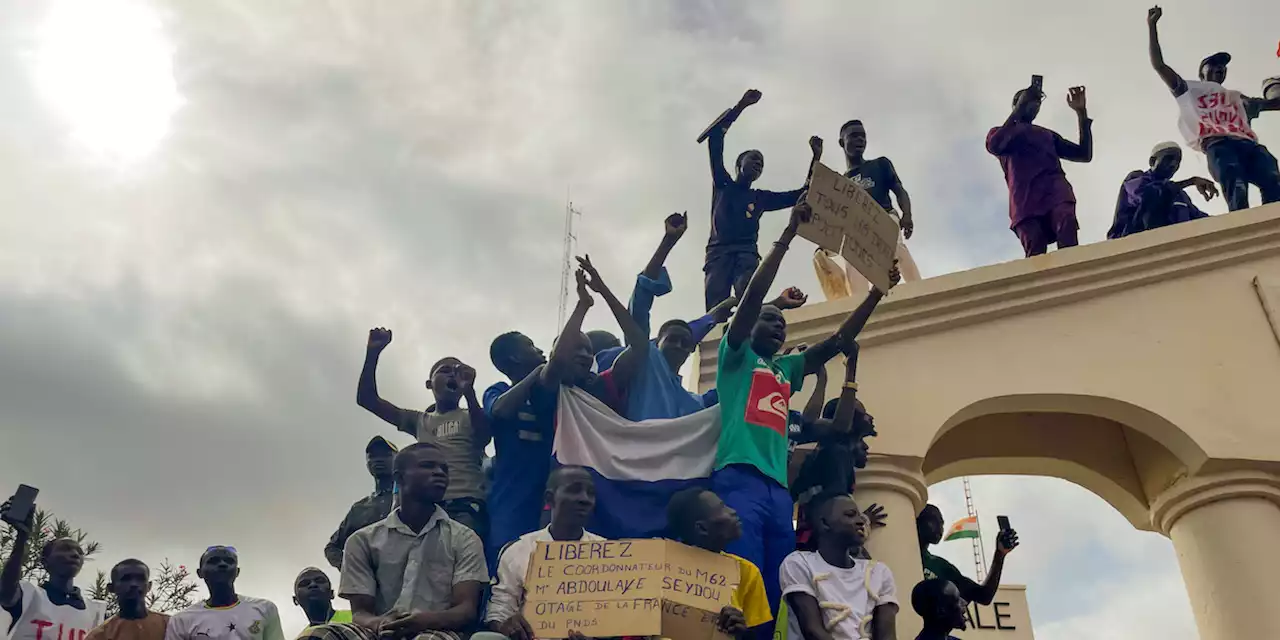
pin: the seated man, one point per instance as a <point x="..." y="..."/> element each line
<point x="699" y="518"/>
<point x="313" y="593"/>
<point x="831" y="593"/>
<point x="939" y="604"/>
<point x="572" y="495"/>
<point x="225" y="615"/>
<point x="929" y="529"/>
<point x="130" y="584"/>
<point x="418" y="573"/>
<point x="56" y="607"/>
<point x="1152" y="199"/>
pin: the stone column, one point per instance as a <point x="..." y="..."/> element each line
<point x="897" y="484"/>
<point x="1224" y="528"/>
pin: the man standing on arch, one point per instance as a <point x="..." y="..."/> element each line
<point x="732" y="255"/>
<point x="879" y="179"/>
<point x="1042" y="205"/>
<point x="1215" y="120"/>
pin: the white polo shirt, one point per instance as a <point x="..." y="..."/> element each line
<point x="513" y="564"/>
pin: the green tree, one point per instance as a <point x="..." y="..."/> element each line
<point x="172" y="589"/>
<point x="47" y="527"/>
<point x="172" y="586"/>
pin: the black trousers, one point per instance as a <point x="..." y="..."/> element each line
<point x="1236" y="163"/>
<point x="728" y="273"/>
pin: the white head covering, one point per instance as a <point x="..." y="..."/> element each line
<point x="1164" y="146"/>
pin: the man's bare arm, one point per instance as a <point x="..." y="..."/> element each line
<point x="1171" y="78"/>
<point x="367" y="388"/>
<point x="562" y="352"/>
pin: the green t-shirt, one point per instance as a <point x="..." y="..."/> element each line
<point x="937" y="567"/>
<point x="755" y="397"/>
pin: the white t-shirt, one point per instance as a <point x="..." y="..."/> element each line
<point x="847" y="596"/>
<point x="513" y="564"/>
<point x="44" y="620"/>
<point x="249" y="619"/>
<point x="1209" y="110"/>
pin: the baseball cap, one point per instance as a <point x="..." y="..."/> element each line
<point x="1165" y="146"/>
<point x="1221" y="57"/>
<point x="379" y="441"/>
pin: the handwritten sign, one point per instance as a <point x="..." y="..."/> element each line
<point x="848" y="220"/>
<point x="627" y="587"/>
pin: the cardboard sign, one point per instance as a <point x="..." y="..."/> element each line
<point x="848" y="220"/>
<point x="627" y="588"/>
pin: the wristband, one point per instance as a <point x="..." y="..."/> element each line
<point x="782" y="245"/>
<point x="851" y="385"/>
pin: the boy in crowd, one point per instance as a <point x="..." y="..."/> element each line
<point x="1152" y="199"/>
<point x="732" y="254"/>
<point x="699" y="518"/>
<point x="56" y="608"/>
<point x="831" y="593"/>
<point x="841" y="435"/>
<point x="929" y="529"/>
<point x="130" y="583"/>
<point x="879" y="179"/>
<point x="938" y="602"/>
<point x="225" y="615"/>
<point x="1215" y="120"/>
<point x="378" y="455"/>
<point x="755" y="386"/>
<point x="1042" y="205"/>
<point x="572" y="496"/>
<point x="313" y="593"/>
<point x="522" y="414"/>
<point x="462" y="435"/>
<point x="418" y="573"/>
<point x="572" y="360"/>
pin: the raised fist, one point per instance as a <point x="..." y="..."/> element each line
<point x="379" y="338"/>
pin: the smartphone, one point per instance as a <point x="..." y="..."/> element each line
<point x="1037" y="83"/>
<point x="21" y="504"/>
<point x="1003" y="521"/>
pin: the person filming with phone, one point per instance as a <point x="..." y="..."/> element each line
<point x="929" y="529"/>
<point x="55" y="607"/>
<point x="1042" y="205"/>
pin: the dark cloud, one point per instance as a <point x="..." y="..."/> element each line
<point x="180" y="334"/>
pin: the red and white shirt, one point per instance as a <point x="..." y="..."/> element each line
<point x="1209" y="110"/>
<point x="43" y="620"/>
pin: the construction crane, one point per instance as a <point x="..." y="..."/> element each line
<point x="566" y="261"/>
<point x="979" y="552"/>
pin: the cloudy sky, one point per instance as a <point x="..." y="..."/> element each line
<point x="207" y="205"/>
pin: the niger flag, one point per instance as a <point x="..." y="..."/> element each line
<point x="966" y="528"/>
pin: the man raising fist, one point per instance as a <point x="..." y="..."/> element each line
<point x="736" y="207"/>
<point x="461" y="434"/>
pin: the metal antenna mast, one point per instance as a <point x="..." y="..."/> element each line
<point x="979" y="552"/>
<point x="566" y="266"/>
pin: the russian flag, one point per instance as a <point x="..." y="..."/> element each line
<point x="637" y="466"/>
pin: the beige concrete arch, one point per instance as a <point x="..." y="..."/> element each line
<point x="1144" y="369"/>
<point x="1122" y="452"/>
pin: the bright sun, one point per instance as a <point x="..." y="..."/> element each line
<point x="107" y="67"/>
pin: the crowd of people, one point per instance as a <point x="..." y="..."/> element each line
<point x="441" y="546"/>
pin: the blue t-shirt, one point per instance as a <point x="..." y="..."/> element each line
<point x="658" y="392"/>
<point x="521" y="464"/>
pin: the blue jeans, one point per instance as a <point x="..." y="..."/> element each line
<point x="765" y="508"/>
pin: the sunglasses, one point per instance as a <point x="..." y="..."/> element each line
<point x="220" y="546"/>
